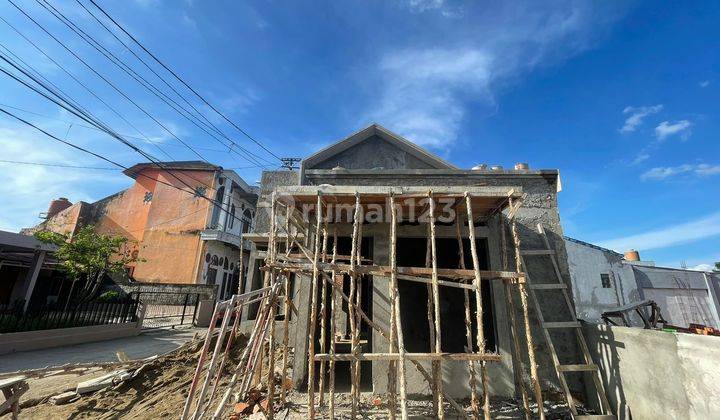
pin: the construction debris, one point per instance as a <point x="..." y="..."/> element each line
<point x="64" y="397"/>
<point x="152" y="389"/>
<point x="104" y="381"/>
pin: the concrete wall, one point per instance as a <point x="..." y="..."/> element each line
<point x="651" y="374"/>
<point x="36" y="340"/>
<point x="587" y="263"/>
<point x="684" y="296"/>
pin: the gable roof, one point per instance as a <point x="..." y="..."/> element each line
<point x="377" y="130"/>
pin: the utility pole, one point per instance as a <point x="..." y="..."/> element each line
<point x="289" y="163"/>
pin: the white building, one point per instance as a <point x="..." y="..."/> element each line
<point x="603" y="279"/>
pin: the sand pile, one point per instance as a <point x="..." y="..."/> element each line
<point x="158" y="391"/>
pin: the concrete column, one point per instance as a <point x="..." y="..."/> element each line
<point x="32" y="276"/>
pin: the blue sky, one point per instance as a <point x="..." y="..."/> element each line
<point x="622" y="98"/>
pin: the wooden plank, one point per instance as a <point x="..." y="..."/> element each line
<point x="578" y="368"/>
<point x="384" y="270"/>
<point x="548" y="286"/>
<point x="490" y="357"/>
<point x="537" y="252"/>
<point x="561" y="324"/>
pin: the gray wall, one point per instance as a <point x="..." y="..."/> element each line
<point x="587" y="263"/>
<point x="684" y="296"/>
<point x="652" y="374"/>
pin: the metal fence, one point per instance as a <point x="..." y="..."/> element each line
<point x="168" y="309"/>
<point x="48" y="317"/>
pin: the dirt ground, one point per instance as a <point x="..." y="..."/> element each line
<point x="160" y="392"/>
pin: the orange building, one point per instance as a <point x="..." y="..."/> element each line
<point x="177" y="234"/>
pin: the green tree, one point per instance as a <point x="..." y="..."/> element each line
<point x="717" y="267"/>
<point x="88" y="256"/>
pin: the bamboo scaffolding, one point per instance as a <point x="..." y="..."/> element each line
<point x="286" y="319"/>
<point x="313" y="311"/>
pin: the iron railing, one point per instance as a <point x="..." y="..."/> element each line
<point x="168" y="309"/>
<point x="54" y="316"/>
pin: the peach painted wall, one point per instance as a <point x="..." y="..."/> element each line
<point x="162" y="223"/>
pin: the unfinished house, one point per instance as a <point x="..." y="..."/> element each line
<point x="414" y="277"/>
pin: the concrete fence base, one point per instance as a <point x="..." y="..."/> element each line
<point x="656" y="375"/>
<point x="43" y="339"/>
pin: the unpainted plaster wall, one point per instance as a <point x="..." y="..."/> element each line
<point x="652" y="374"/>
<point x="586" y="264"/>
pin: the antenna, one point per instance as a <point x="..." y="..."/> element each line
<point x="289" y="163"/>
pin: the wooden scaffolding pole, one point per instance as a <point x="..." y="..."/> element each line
<point x="396" y="319"/>
<point x="323" y="313"/>
<point x="313" y="310"/>
<point x="430" y="318"/>
<point x="526" y="318"/>
<point x="270" y="381"/>
<point x="478" y="305"/>
<point x="286" y="318"/>
<point x="468" y="321"/>
<point x="356" y="259"/>
<point x="514" y="329"/>
<point x="333" y="327"/>
<point x="354" y="377"/>
<point x="437" y="389"/>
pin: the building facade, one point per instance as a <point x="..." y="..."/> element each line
<point x="603" y="279"/>
<point x="176" y="233"/>
<point x="376" y="157"/>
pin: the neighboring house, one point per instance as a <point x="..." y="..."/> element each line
<point x="603" y="279"/>
<point x="373" y="157"/>
<point x="26" y="266"/>
<point x="177" y="234"/>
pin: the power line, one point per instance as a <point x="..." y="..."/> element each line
<point x="90" y="40"/>
<point x="162" y="79"/>
<point x="56" y="165"/>
<point x="90" y="152"/>
<point x="183" y="81"/>
<point x="73" y="77"/>
<point x="49" y="117"/>
<point x="91" y="119"/>
<point x="118" y="90"/>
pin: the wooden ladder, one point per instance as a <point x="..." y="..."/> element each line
<point x="573" y="323"/>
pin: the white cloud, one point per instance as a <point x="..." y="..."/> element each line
<point x="660" y="173"/>
<point x="666" y="129"/>
<point x="27" y="190"/>
<point x="424" y="89"/>
<point x="703" y="267"/>
<point x="704" y="83"/>
<point x="421" y="97"/>
<point x="641" y="157"/>
<point x="703" y="228"/>
<point x="637" y="114"/>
